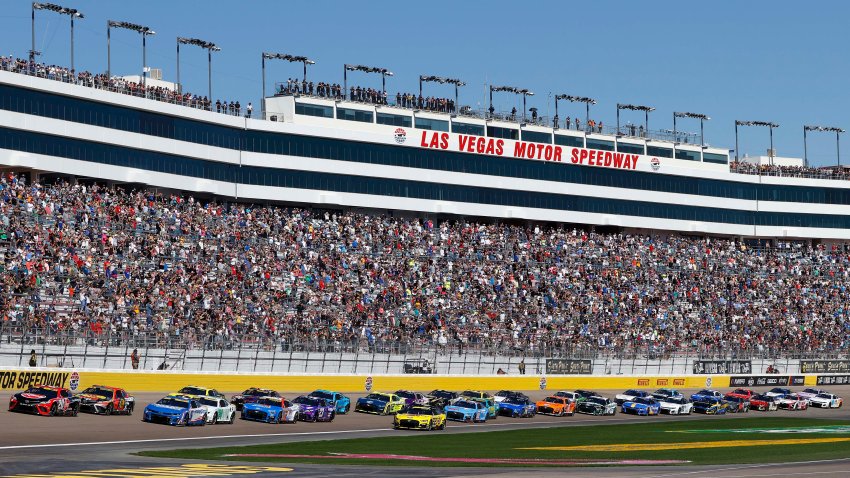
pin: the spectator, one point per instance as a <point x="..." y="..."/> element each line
<point x="134" y="359"/>
<point x="521" y="367"/>
<point x="33" y="359"/>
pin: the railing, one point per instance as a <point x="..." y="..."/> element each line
<point x="842" y="174"/>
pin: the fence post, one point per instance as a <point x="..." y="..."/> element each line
<point x="106" y="350"/>
<point x="274" y="357"/>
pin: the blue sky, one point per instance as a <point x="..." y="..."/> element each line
<point x="777" y="61"/>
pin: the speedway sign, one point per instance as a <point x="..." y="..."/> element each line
<point x="23" y="379"/>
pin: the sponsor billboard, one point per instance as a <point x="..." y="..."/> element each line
<point x="569" y="367"/>
<point x="833" y="380"/>
<point x="767" y="381"/>
<point x="723" y="367"/>
<point x="23" y="379"/>
<point x="825" y="366"/>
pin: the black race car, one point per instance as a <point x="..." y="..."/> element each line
<point x="251" y="396"/>
<point x="597" y="406"/>
<point x="441" y="398"/>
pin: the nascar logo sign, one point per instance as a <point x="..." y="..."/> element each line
<point x="74" y="382"/>
<point x="369" y="384"/>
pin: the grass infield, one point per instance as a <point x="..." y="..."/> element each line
<point x="694" y="441"/>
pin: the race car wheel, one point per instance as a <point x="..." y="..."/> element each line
<point x="215" y="418"/>
<point x="232" y="418"/>
<point x="429" y="427"/>
<point x="108" y="410"/>
<point x="204" y="419"/>
<point x="331" y="418"/>
<point x="277" y="418"/>
<point x="75" y="411"/>
<point x="129" y="409"/>
<point x="347" y="408"/>
<point x="52" y="412"/>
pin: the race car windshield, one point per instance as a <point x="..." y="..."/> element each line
<point x="760" y="397"/>
<point x="42" y="391"/>
<point x="598" y="400"/>
<point x="824" y="395"/>
<point x="208" y="401"/>
<point x="465" y="404"/>
<point x="777" y="390"/>
<point x="515" y="401"/>
<point x="553" y="400"/>
<point x="631" y="392"/>
<point x="172" y="402"/>
<point x="405" y="394"/>
<point x="269" y="401"/>
<point x="193" y="391"/>
<point x="644" y="401"/>
<point x="320" y="394"/>
<point x="308" y="401"/>
<point x="740" y="391"/>
<point x="705" y="392"/>
<point x="442" y="394"/>
<point x="377" y="396"/>
<point x="811" y="390"/>
<point x="100" y="392"/>
<point x="504" y="393"/>
<point x="470" y="393"/>
<point x="255" y="392"/>
<point x="419" y="411"/>
<point x="676" y="400"/>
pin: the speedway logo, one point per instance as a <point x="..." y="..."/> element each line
<point x="17" y="380"/>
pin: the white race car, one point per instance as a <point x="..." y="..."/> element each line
<point x="218" y="409"/>
<point x="826" y="400"/>
<point x="778" y="391"/>
<point x="629" y="395"/>
<point x="676" y="405"/>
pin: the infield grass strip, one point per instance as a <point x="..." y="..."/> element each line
<point x="651" y="441"/>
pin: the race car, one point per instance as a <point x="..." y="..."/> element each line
<point x="744" y="393"/>
<point x="629" y="395"/>
<point x="826" y="400"/>
<point x="597" y="406"/>
<point x="100" y="399"/>
<point x="809" y="393"/>
<point x="270" y="410"/>
<point x="465" y="410"/>
<point x="516" y="407"/>
<point x="641" y="406"/>
<point x="503" y="394"/>
<point x="251" y="395"/>
<point x="441" y="398"/>
<point x="675" y="405"/>
<point x="492" y="406"/>
<point x="737" y="404"/>
<point x="312" y="409"/>
<point x="556" y="406"/>
<point x="178" y="411"/>
<point x="474" y="394"/>
<point x="46" y="401"/>
<point x="663" y="393"/>
<point x="195" y="391"/>
<point x="342" y="404"/>
<point x="710" y="406"/>
<point x="420" y="417"/>
<point x="706" y="393"/>
<point x="779" y="392"/>
<point x="582" y="395"/>
<point x="412" y="398"/>
<point x="792" y="401"/>
<point x="571" y="396"/>
<point x="764" y="403"/>
<point x="219" y="410"/>
<point x="379" y="403"/>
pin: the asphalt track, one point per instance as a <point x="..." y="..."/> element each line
<point x="90" y="446"/>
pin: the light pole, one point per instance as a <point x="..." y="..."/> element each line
<point x="831" y="129"/>
<point x="365" y="69"/>
<point x="209" y="46"/>
<point x="280" y="56"/>
<point x="441" y="80"/>
<point x="768" y="124"/>
<point x="701" y="117"/>
<point x="144" y="31"/>
<point x="71" y="12"/>
<point x="511" y="89"/>
<point x="645" y="109"/>
<point x="575" y="99"/>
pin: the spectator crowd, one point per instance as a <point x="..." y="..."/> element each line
<point x="409" y="100"/>
<point x="97" y="259"/>
<point x="743" y="167"/>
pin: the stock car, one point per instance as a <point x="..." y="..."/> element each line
<point x="176" y="410"/>
<point x="582" y="395"/>
<point x="706" y="393"/>
<point x="764" y="403"/>
<point x="46" y="401"/>
<point x="809" y="393"/>
<point x="380" y="404"/>
<point x="778" y="392"/>
<point x="219" y="410"/>
<point x="556" y="406"/>
<point x="312" y="409"/>
<point x="629" y="395"/>
<point x="441" y="398"/>
<point x="641" y="406"/>
<point x="420" y="417"/>
<point x="412" y="398"/>
<point x="517" y="407"/>
<point x="744" y="393"/>
<point x="474" y="394"/>
<point x="826" y="400"/>
<point x="342" y="404"/>
<point x="251" y="396"/>
<point x="465" y="410"/>
<point x="792" y="401"/>
<point x="676" y="405"/>
<point x="195" y="391"/>
<point x="710" y="406"/>
<point x="270" y="410"/>
<point x="737" y="404"/>
<point x="491" y="405"/>
<point x="100" y="399"/>
<point x="503" y="394"/>
<point x="663" y="393"/>
<point x="597" y="406"/>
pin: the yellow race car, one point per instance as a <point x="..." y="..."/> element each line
<point x="380" y="404"/>
<point x="420" y="418"/>
<point x="195" y="391"/>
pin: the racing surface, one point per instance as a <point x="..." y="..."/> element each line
<point x="53" y="446"/>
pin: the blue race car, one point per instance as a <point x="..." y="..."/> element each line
<point x="642" y="406"/>
<point x="312" y="409"/>
<point x="270" y="410"/>
<point x="341" y="403"/>
<point x="710" y="406"/>
<point x="706" y="394"/>
<point x="467" y="411"/>
<point x="517" y="407"/>
<point x="178" y="411"/>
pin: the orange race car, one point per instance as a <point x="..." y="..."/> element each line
<point x="556" y="406"/>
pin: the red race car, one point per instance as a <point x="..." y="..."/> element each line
<point x="744" y="393"/>
<point x="45" y="400"/>
<point x="100" y="399"/>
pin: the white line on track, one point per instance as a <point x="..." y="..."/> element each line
<point x="329" y="432"/>
<point x="716" y="471"/>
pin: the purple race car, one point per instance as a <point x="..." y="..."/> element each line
<point x="412" y="398"/>
<point x="312" y="409"/>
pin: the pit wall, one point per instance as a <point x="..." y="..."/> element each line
<point x="168" y="381"/>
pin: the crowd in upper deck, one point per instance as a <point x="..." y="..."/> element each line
<point x="98" y="259"/>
